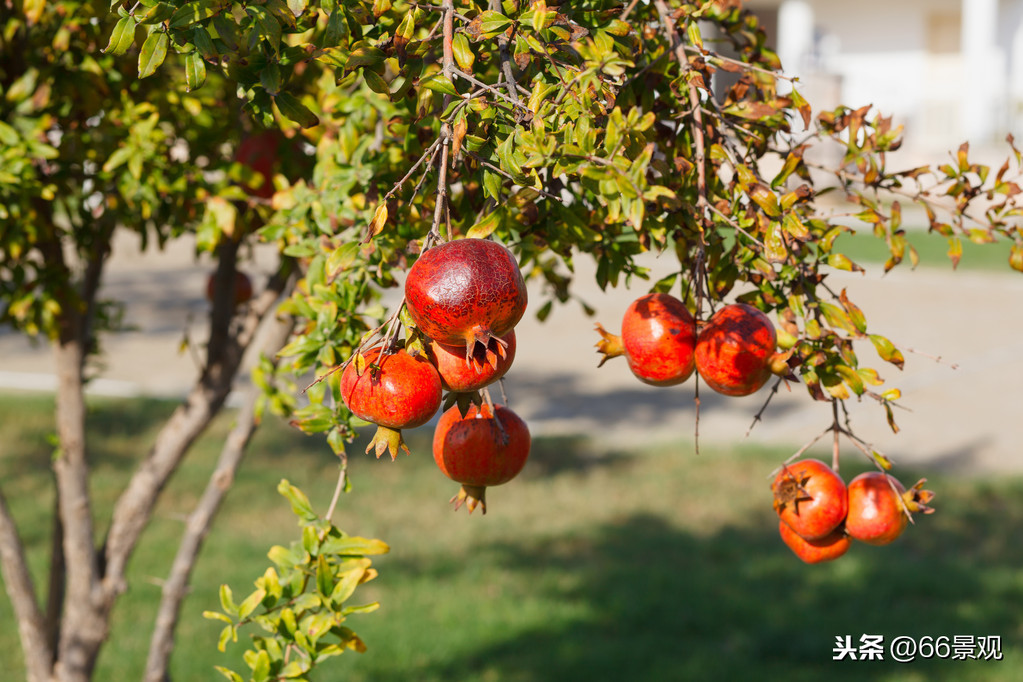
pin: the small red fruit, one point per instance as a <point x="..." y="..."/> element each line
<point x="876" y="512"/>
<point x="828" y="548"/>
<point x="259" y="153"/>
<point x="481" y="449"/>
<point x="658" y="339"/>
<point x="734" y="350"/>
<point x="486" y="365"/>
<point x="810" y="498"/>
<point x="242" y="288"/>
<point x="399" y="392"/>
<point x="465" y="292"/>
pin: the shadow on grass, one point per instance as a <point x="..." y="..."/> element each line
<point x="661" y="603"/>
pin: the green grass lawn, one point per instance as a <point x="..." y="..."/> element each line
<point x="863" y="247"/>
<point x="595" y="564"/>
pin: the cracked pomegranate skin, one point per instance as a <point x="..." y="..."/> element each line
<point x="465" y="290"/>
<point x="462" y="377"/>
<point x="659" y="336"/>
<point x="734" y="349"/>
<point x="875" y="513"/>
<point x="405" y="393"/>
<point x="474" y="451"/>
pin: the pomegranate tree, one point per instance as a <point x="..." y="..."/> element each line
<point x="658" y="338"/>
<point x="486" y="447"/>
<point x="466" y="292"/>
<point x="394" y="391"/>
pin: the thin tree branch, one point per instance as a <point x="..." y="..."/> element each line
<point x="200" y="520"/>
<point x="22" y="593"/>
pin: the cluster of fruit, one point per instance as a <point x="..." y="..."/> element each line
<point x="465" y="297"/>
<point x="734" y="352"/>
<point x="819" y="515"/>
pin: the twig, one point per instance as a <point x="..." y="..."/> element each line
<point x="835" y="427"/>
<point x="429" y="152"/>
<point x="491" y="89"/>
<point x="342" y="477"/>
<point x="758" y="417"/>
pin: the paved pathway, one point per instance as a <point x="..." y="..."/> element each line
<point x="969" y="418"/>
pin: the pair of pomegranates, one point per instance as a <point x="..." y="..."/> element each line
<point x="466" y="296"/>
<point x="819" y="515"/>
<point x="734" y="352"/>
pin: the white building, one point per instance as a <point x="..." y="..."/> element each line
<point x="948" y="70"/>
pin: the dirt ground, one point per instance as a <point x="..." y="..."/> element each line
<point x="962" y="412"/>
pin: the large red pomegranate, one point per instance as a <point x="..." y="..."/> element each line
<point x="484" y="366"/>
<point x="734" y="350"/>
<point x="810" y="498"/>
<point x="465" y="292"/>
<point x="658" y="339"/>
<point x="395" y="391"/>
<point x="828" y="548"/>
<point x="483" y="448"/>
<point x="259" y="152"/>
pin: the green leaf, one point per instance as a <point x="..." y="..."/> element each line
<point x="887" y="350"/>
<point x="463" y="53"/>
<point x="376" y="82"/>
<point x="227" y="601"/>
<point x="324" y="576"/>
<point x="1016" y="257"/>
<point x="195" y="71"/>
<point x="260" y="666"/>
<point x="486" y="225"/>
<point x="488" y="24"/>
<point x="693" y="30"/>
<point x="438" y="82"/>
<point x="217" y="615"/>
<point x="353" y="546"/>
<point x="228" y="673"/>
<point x="154" y="51"/>
<point x="299" y="502"/>
<point x="250" y="603"/>
<point x="122" y="37"/>
<point x="294" y="110"/>
<point x="194" y="12"/>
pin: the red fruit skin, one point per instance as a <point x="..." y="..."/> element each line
<point x="259" y="152"/>
<point x="734" y="349"/>
<point x="242" y="288"/>
<point x="405" y="393"/>
<point x="828" y="548"/>
<point x="826" y="508"/>
<point x="475" y="451"/>
<point x="875" y="515"/>
<point x="462" y="376"/>
<point x="465" y="291"/>
<point x="659" y="337"/>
